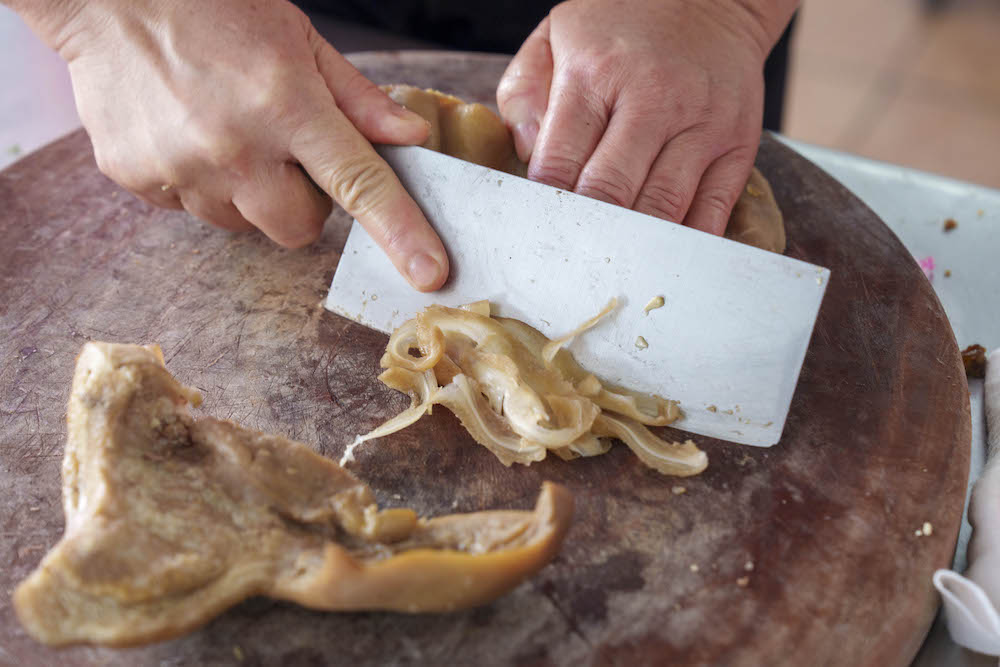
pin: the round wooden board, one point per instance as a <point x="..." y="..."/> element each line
<point x="820" y="528"/>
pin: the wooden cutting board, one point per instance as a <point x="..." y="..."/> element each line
<point x="820" y="529"/>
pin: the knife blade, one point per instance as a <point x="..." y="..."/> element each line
<point x="728" y="343"/>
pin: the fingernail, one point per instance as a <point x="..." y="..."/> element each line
<point x="407" y="116"/>
<point x="524" y="139"/>
<point x="424" y="271"/>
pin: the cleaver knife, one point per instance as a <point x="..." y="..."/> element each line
<point x="727" y="343"/>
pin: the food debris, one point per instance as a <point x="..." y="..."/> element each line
<point x="928" y="528"/>
<point x="947" y="273"/>
<point x="678" y="490"/>
<point x="950" y="224"/>
<point x="694" y="567"/>
<point x="974" y="360"/>
<point x="654" y="303"/>
<point x="238" y="653"/>
<point x="448" y="356"/>
<point x="927" y="266"/>
<point x="14" y="149"/>
<point x="748" y="566"/>
<point x="980" y="213"/>
<point x="743" y="582"/>
<point x="196" y="251"/>
<point x="641" y="343"/>
<point x="728" y="412"/>
<point x="754" y="191"/>
<point x="712" y="408"/>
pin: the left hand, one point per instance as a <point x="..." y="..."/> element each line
<point x="654" y="105"/>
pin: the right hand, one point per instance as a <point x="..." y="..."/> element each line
<point x="222" y="108"/>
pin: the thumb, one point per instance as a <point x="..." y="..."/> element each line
<point x="369" y="109"/>
<point x="523" y="92"/>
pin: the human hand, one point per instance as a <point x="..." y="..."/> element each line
<point x="654" y="105"/>
<point x="227" y="108"/>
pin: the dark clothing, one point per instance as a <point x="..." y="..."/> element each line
<point x="469" y="25"/>
<point x="501" y="27"/>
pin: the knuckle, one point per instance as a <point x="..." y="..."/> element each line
<point x="111" y="164"/>
<point x="605" y="65"/>
<point x="359" y="183"/>
<point x="302" y="236"/>
<point x="276" y="93"/>
<point x="718" y="200"/>
<point x="610" y="184"/>
<point x="663" y="200"/>
<point x="557" y="170"/>
<point x="218" y="143"/>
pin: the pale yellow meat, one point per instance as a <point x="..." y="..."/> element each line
<point x="170" y="520"/>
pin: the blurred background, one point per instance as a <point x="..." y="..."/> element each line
<point x="912" y="82"/>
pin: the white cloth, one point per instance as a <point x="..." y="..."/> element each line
<point x="972" y="601"/>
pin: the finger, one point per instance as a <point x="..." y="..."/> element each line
<point x="673" y="179"/>
<point x="144" y="180"/>
<point x="369" y="109"/>
<point x="347" y="168"/>
<point x="214" y="211"/>
<point x="282" y="202"/>
<point x="523" y="92"/>
<point x="718" y="191"/>
<point x="619" y="165"/>
<point x="164" y="196"/>
<point x="573" y="125"/>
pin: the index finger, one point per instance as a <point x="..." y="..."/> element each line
<point x="342" y="162"/>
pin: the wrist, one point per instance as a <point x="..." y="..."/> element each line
<point x="766" y="20"/>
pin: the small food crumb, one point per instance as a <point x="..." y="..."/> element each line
<point x="196" y="251"/>
<point x="980" y="213"/>
<point x="754" y="191"/>
<point x="678" y="490"/>
<point x="238" y="653"/>
<point x="950" y="224"/>
<point x="641" y="343"/>
<point x="974" y="360"/>
<point x="712" y="408"/>
<point x="918" y="532"/>
<point x="743" y="582"/>
<point x="374" y="297"/>
<point x="654" y="303"/>
<point x="694" y="567"/>
<point x="947" y="273"/>
<point x="928" y="528"/>
<point x="728" y="412"/>
<point x="748" y="566"/>
<point x="34" y="509"/>
<point x="607" y="260"/>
